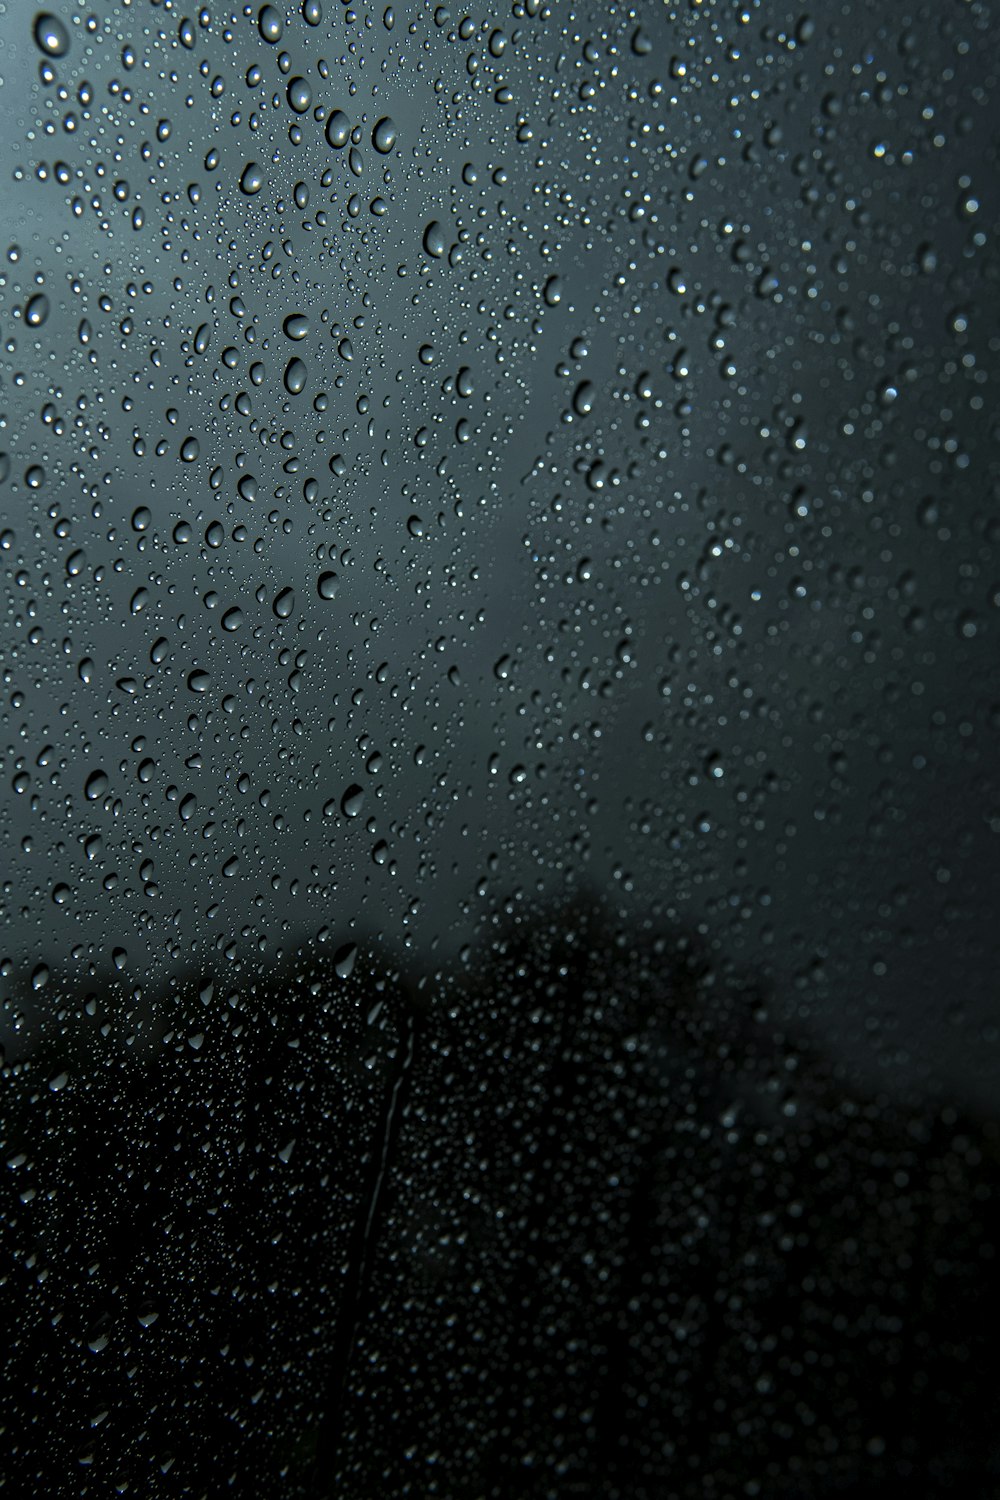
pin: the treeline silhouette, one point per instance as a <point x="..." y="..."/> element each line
<point x="570" y="1216"/>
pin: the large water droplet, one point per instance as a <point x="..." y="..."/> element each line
<point x="252" y="179"/>
<point x="384" y="135"/>
<point x="270" y="24"/>
<point x="434" y="240"/>
<point x="299" y="95"/>
<point x="51" y="35"/>
<point x="37" y="310"/>
<point x="338" y="129"/>
<point x="583" y="398"/>
<point x="352" y="802"/>
<point x="344" y="960"/>
<point x="95" y="786"/>
<point x="295" y="377"/>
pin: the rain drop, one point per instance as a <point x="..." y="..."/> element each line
<point x="384" y="135"/>
<point x="583" y="398"/>
<point x="352" y="802"/>
<point x="252" y="179"/>
<point x="338" y="129"/>
<point x="95" y="786"/>
<point x="37" y="310"/>
<point x="434" y="240"/>
<point x="270" y="24"/>
<point x="51" y="35"/>
<point x="299" y="95"/>
<point x="295" y="377"/>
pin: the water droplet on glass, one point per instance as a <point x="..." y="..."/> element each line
<point x="352" y="802"/>
<point x="270" y="24"/>
<point x="37" y="310"/>
<point x="295" y="377"/>
<point x="384" y="135"/>
<point x="51" y="35"/>
<point x="434" y="240"/>
<point x="583" y="398"/>
<point x="344" y="960"/>
<point x="251" y="179"/>
<point x="95" y="786"/>
<point x="338" y="129"/>
<point x="299" y="95"/>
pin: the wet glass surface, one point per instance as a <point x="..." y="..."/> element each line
<point x="499" y="708"/>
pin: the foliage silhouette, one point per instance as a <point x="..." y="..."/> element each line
<point x="571" y="1217"/>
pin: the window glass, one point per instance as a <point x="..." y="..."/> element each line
<point x="498" y="725"/>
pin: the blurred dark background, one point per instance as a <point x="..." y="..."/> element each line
<point x="382" y="1234"/>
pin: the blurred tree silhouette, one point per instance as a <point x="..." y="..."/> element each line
<point x="574" y="1219"/>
